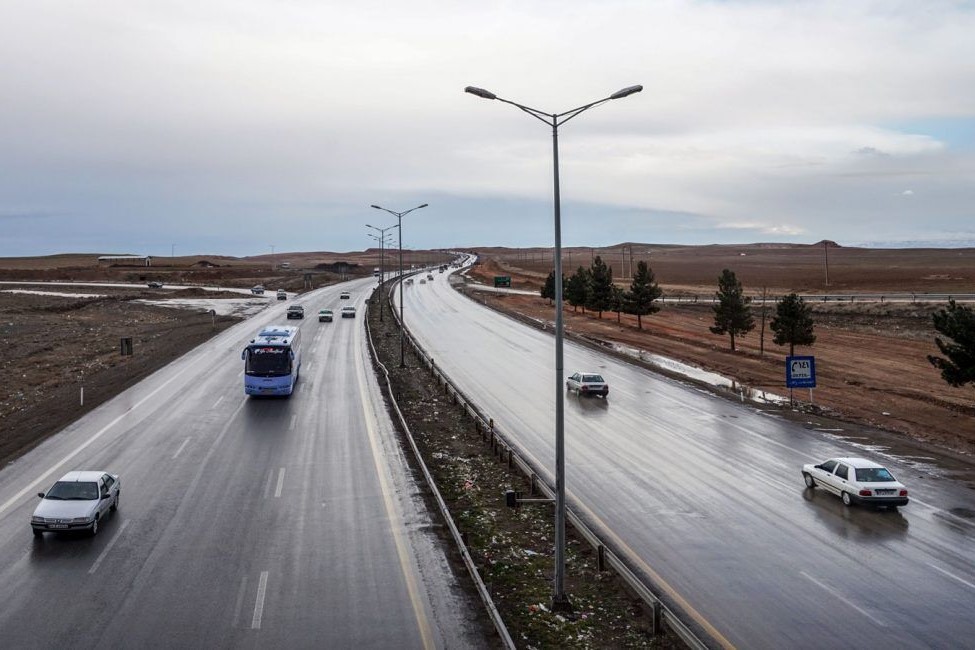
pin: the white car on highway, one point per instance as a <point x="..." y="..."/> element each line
<point x="587" y="383"/>
<point x="79" y="501"/>
<point x="856" y="480"/>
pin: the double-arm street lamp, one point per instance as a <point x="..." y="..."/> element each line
<point x="382" y="261"/>
<point x="402" y="319"/>
<point x="560" y="600"/>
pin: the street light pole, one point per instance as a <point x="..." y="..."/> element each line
<point x="382" y="262"/>
<point x="402" y="308"/>
<point x="560" y="601"/>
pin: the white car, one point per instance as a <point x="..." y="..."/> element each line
<point x="79" y="501"/>
<point x="348" y="312"/>
<point x="587" y="383"/>
<point x="856" y="480"/>
<point x="345" y="295"/>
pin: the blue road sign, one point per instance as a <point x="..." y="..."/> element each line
<point x="800" y="372"/>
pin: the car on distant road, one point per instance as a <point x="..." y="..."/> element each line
<point x="325" y="316"/>
<point x="430" y="276"/>
<point x="348" y="312"/>
<point x="856" y="480"/>
<point x="296" y="311"/>
<point x="587" y="383"/>
<point x="282" y="294"/>
<point x="78" y="501"/>
<point x="257" y="290"/>
<point x="345" y="295"/>
<point x="155" y="284"/>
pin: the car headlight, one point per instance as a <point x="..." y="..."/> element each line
<point x="38" y="520"/>
<point x="81" y="520"/>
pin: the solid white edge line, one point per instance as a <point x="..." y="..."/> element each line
<point x="185" y="442"/>
<point x="846" y="600"/>
<point x="259" y="603"/>
<point x="294" y="420"/>
<point x="219" y="399"/>
<point x="108" y="547"/>
<point x="277" y="490"/>
<point x="953" y="576"/>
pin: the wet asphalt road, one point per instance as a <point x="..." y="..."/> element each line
<point x="704" y="495"/>
<point x="243" y="522"/>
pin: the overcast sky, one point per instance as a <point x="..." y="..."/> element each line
<point x="227" y="127"/>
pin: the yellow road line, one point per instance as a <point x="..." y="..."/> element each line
<point x="402" y="548"/>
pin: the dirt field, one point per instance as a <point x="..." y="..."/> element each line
<point x="871" y="359"/>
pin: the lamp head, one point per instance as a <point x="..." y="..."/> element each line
<point x="626" y="92"/>
<point x="422" y="206"/>
<point x="480" y="92"/>
<point x="376" y="206"/>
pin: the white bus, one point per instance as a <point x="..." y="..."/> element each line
<point x="272" y="361"/>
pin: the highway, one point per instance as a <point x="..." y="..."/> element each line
<point x="703" y="496"/>
<point x="243" y="523"/>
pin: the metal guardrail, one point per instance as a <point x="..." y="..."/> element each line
<point x="485" y="595"/>
<point x="503" y="447"/>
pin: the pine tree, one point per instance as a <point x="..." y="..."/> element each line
<point x="600" y="297"/>
<point x="619" y="302"/>
<point x="577" y="289"/>
<point x="793" y="323"/>
<point x="732" y="314"/>
<point x="643" y="292"/>
<point x="548" y="289"/>
<point x="957" y="323"/>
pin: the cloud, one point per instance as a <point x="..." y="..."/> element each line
<point x="229" y="116"/>
<point x="907" y="193"/>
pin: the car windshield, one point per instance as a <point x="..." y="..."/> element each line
<point x="874" y="475"/>
<point x="73" y="491"/>
<point x="591" y="379"/>
<point x="268" y="361"/>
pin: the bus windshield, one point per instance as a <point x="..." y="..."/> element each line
<point x="268" y="361"/>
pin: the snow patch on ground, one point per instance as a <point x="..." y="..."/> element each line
<point x="55" y="293"/>
<point x="705" y="376"/>
<point x="242" y="307"/>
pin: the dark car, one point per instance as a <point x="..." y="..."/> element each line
<point x="155" y="284"/>
<point x="296" y="311"/>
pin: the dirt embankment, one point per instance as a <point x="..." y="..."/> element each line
<point x="871" y="359"/>
<point x="53" y="346"/>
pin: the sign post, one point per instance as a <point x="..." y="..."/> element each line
<point x="800" y="372"/>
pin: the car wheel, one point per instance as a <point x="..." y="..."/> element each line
<point x="810" y="481"/>
<point x="115" y="504"/>
<point x="94" y="527"/>
<point x="847" y="500"/>
<point x="38" y="533"/>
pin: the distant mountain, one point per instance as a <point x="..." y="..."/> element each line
<point x="928" y="243"/>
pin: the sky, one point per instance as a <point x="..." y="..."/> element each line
<point x="234" y="127"/>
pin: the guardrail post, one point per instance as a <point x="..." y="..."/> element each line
<point x="600" y="558"/>
<point x="532" y="479"/>
<point x="656" y="627"/>
<point x="510" y="459"/>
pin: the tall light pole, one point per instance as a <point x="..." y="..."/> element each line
<point x="382" y="262"/>
<point x="402" y="308"/>
<point x="560" y="600"/>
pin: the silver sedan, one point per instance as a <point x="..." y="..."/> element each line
<point x="79" y="501"/>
